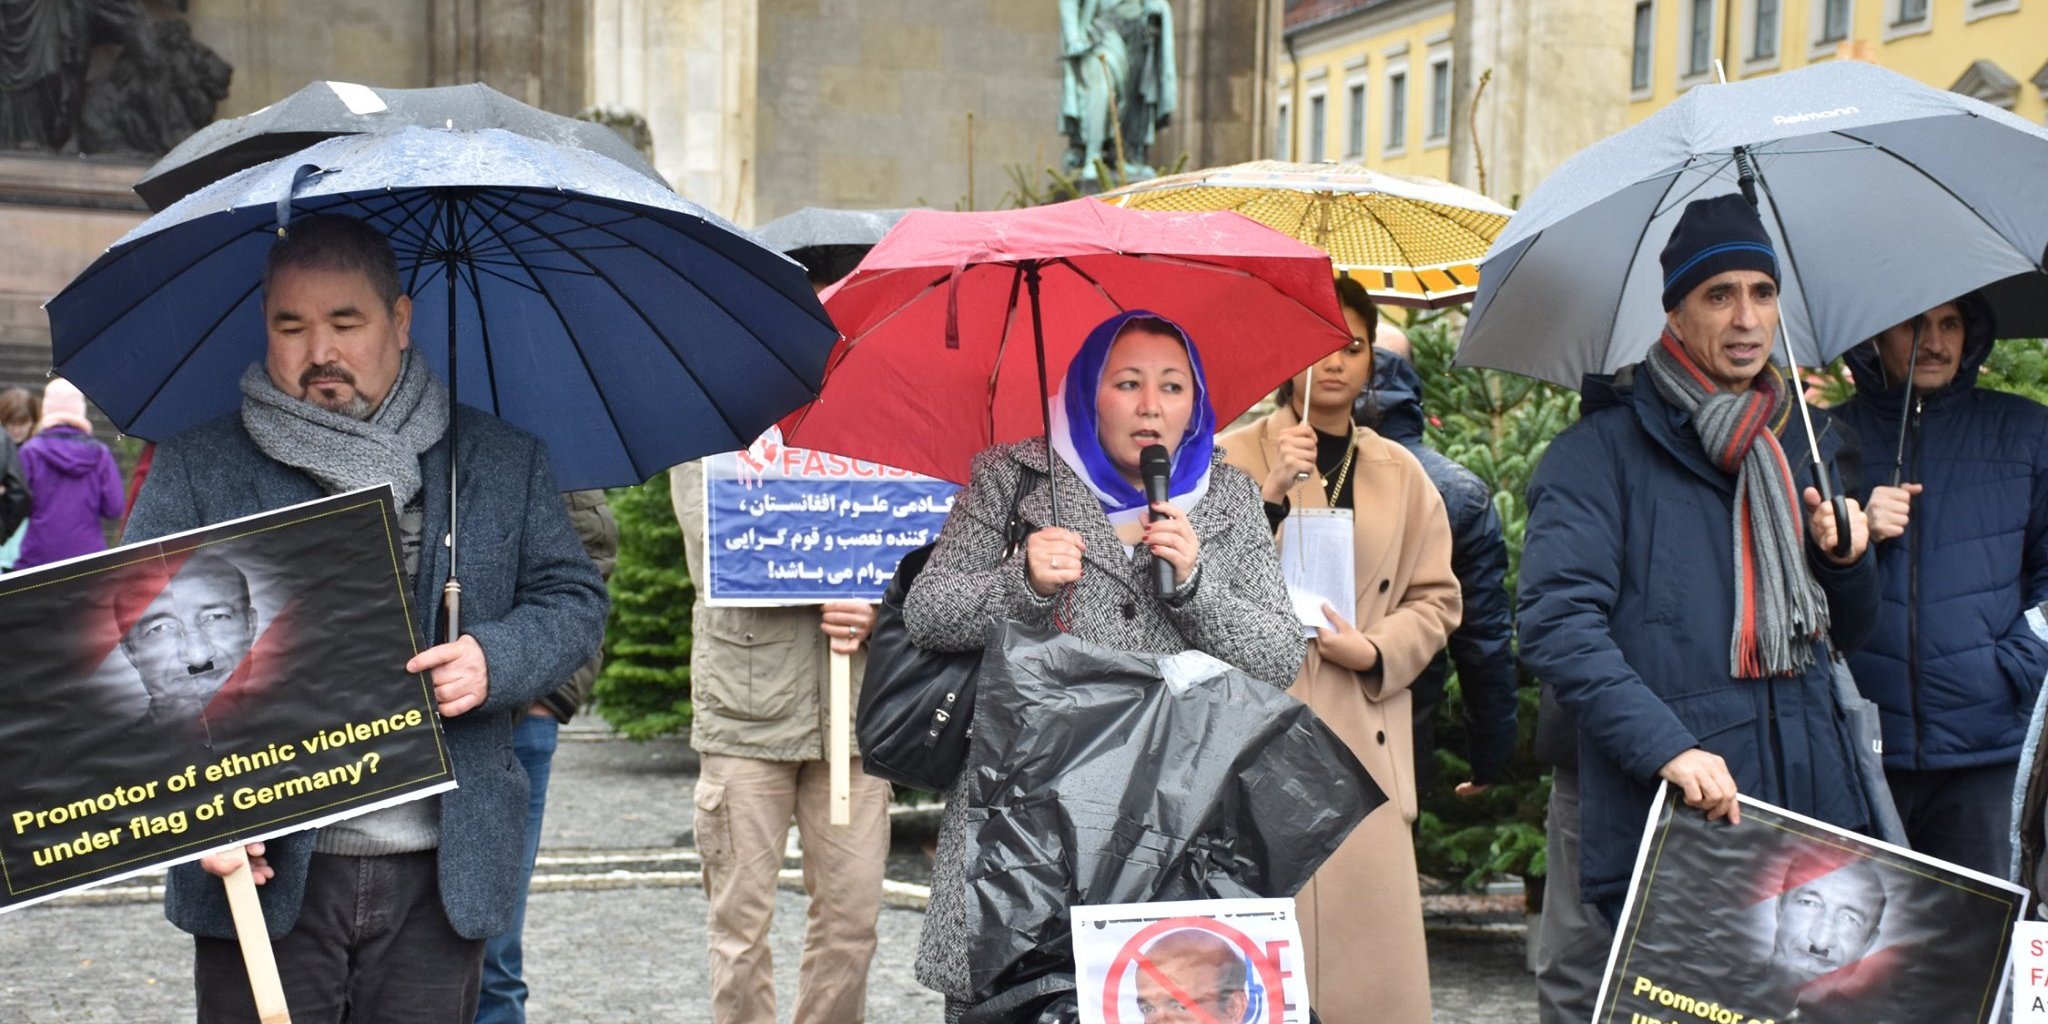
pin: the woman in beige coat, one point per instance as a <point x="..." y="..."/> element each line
<point x="1361" y="915"/>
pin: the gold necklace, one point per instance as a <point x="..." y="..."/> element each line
<point x="1336" y="485"/>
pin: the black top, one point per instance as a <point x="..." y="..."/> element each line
<point x="1329" y="457"/>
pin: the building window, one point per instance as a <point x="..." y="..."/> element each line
<point x="1397" y="110"/>
<point x="1763" y="43"/>
<point x="1440" y="99"/>
<point x="1354" y="118"/>
<point x="1639" y="71"/>
<point x="1699" y="38"/>
<point x="1834" y="20"/>
<point x="1283" y="135"/>
<point x="1318" y="119"/>
<point x="1910" y="12"/>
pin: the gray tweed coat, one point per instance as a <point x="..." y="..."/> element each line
<point x="1234" y="607"/>
<point x="530" y="597"/>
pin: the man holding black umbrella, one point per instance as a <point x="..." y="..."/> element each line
<point x="383" y="917"/>
<point x="1962" y="538"/>
<point x="1682" y="582"/>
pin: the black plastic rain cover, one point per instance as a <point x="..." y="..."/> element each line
<point x="1107" y="776"/>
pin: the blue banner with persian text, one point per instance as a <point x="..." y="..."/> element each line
<point x="789" y="526"/>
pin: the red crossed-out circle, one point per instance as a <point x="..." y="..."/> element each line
<point x="1268" y="967"/>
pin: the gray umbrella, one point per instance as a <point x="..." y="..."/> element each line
<point x="829" y="243"/>
<point x="1885" y="197"/>
<point x="324" y="110"/>
<point x="817" y="226"/>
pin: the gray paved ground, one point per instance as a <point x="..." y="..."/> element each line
<point x="614" y="933"/>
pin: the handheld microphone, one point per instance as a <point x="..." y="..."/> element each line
<point x="1156" y="467"/>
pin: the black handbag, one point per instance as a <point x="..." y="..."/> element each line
<point x="915" y="704"/>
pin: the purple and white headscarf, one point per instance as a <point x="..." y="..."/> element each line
<point x="1075" y="424"/>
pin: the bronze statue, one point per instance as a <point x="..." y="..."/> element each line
<point x="153" y="85"/>
<point x="1119" y="84"/>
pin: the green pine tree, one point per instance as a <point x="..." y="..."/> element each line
<point x="1498" y="425"/>
<point x="644" y="690"/>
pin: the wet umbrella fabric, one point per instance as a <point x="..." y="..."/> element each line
<point x="625" y="326"/>
<point x="1108" y="776"/>
<point x="1883" y="196"/>
<point x="818" y="226"/>
<point x="829" y="243"/>
<point x="1410" y="241"/>
<point x="323" y="110"/>
<point x="938" y="360"/>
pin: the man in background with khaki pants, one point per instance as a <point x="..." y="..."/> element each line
<point x="758" y="680"/>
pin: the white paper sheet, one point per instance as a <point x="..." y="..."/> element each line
<point x="1316" y="552"/>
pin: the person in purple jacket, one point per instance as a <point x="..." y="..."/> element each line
<point x="73" y="478"/>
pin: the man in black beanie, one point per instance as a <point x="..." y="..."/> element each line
<point x="1679" y="590"/>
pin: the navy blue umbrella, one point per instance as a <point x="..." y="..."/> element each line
<point x="625" y="326"/>
<point x="628" y="328"/>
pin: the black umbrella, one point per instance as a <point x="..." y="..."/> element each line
<point x="324" y="110"/>
<point x="828" y="242"/>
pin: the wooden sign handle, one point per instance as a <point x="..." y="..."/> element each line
<point x="839" y="742"/>
<point x="256" y="955"/>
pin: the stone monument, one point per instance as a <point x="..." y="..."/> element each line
<point x="102" y="77"/>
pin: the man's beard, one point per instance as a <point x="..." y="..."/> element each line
<point x="355" y="407"/>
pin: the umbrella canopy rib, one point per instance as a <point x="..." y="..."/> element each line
<point x="483" y="328"/>
<point x="583" y="360"/>
<point x="529" y="221"/>
<point x="193" y="349"/>
<point x="1907" y="163"/>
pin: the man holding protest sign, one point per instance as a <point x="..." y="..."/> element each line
<point x="383" y="916"/>
<point x="759" y="677"/>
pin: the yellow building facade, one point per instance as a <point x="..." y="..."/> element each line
<point x="1495" y="94"/>
<point x="1994" y="50"/>
<point x="1371" y="86"/>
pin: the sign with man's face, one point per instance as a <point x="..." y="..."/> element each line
<point x="1190" y="962"/>
<point x="217" y="686"/>
<point x="192" y="635"/>
<point x="1785" y="918"/>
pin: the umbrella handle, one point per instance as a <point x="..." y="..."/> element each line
<point x="451" y="604"/>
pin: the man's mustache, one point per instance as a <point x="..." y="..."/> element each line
<point x="326" y="373"/>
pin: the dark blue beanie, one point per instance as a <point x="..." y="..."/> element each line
<point x="1714" y="236"/>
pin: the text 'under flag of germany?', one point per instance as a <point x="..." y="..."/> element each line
<point x="231" y="683"/>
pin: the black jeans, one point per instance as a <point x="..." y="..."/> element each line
<point x="372" y="946"/>
<point x="1960" y="815"/>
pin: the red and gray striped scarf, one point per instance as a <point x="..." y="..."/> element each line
<point x="1780" y="610"/>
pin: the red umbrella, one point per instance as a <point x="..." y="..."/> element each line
<point x="940" y="323"/>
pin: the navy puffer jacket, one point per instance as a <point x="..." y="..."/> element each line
<point x="1626" y="607"/>
<point x="1483" y="643"/>
<point x="1952" y="664"/>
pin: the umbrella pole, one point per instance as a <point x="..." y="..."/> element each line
<point x="1052" y="493"/>
<point x="1843" y="542"/>
<point x="1906" y="402"/>
<point x="451" y="592"/>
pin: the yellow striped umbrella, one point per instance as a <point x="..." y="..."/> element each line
<point x="1410" y="241"/>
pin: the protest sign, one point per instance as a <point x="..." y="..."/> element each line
<point x="1200" y="961"/>
<point x="2030" y="973"/>
<point x="790" y="526"/>
<point x="1784" y="918"/>
<point x="217" y="686"/>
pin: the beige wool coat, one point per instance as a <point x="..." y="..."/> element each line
<point x="1361" y="915"/>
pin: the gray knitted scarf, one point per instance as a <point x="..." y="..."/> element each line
<point x="343" y="453"/>
<point x="1780" y="610"/>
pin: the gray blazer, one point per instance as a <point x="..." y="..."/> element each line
<point x="530" y="597"/>
<point x="1234" y="607"/>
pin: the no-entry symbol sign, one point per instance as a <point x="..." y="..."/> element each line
<point x="1190" y="962"/>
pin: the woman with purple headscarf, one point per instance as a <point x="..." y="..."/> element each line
<point x="1136" y="382"/>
